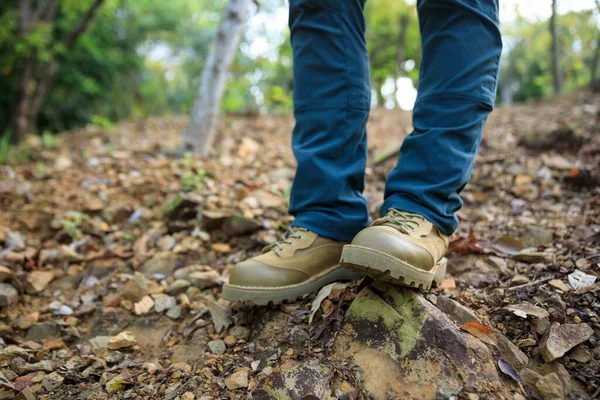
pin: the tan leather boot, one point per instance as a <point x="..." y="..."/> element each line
<point x="402" y="248"/>
<point x="298" y="265"/>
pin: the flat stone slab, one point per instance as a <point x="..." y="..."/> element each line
<point x="407" y="348"/>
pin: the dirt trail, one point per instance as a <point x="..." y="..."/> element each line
<point x="105" y="233"/>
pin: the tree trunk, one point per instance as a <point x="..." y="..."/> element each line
<point x="556" y="72"/>
<point x="36" y="79"/>
<point x="199" y="134"/>
<point x="401" y="56"/>
<point x="595" y="79"/>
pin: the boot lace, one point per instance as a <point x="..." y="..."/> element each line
<point x="293" y="232"/>
<point x="403" y="221"/>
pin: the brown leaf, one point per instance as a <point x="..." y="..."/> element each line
<point x="507" y="245"/>
<point x="465" y="245"/>
<point x="481" y="332"/>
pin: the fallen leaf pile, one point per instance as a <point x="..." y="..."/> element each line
<point x="113" y="252"/>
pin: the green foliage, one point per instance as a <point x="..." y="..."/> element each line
<point x="392" y="38"/>
<point x="13" y="154"/>
<point x="72" y="223"/>
<point x="145" y="57"/>
<point x="193" y="179"/>
<point x="526" y="72"/>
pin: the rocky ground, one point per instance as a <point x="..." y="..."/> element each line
<point x="113" y="254"/>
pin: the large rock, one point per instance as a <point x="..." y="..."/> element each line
<point x="420" y="351"/>
<point x="562" y="338"/>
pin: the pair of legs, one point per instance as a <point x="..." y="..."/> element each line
<point x="332" y="96"/>
<point x="461" y="47"/>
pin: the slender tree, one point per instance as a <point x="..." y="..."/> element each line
<point x="595" y="80"/>
<point x="199" y="135"/>
<point x="556" y="72"/>
<point x="38" y="75"/>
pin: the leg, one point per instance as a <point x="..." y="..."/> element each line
<point x="331" y="104"/>
<point x="457" y="86"/>
<point x="332" y="97"/>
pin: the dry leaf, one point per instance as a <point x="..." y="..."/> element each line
<point x="508" y="369"/>
<point x="524" y="310"/>
<point x="579" y="279"/>
<point x="322" y="295"/>
<point x="506" y="245"/>
<point x="481" y="332"/>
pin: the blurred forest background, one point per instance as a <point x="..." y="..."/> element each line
<point x="94" y="61"/>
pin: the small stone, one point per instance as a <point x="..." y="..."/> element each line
<point x="25" y="394"/>
<point x="581" y="355"/>
<point x="188" y="396"/>
<point x="52" y="381"/>
<point x="143" y="306"/>
<point x="151" y="367"/>
<point x="541" y="325"/>
<point x="535" y="236"/>
<point x="456" y="311"/>
<point x="220" y="247"/>
<point x="175" y="312"/>
<point x="7" y="390"/>
<point x="577" y="319"/>
<point x="43" y="330"/>
<point x="8" y="294"/>
<point x="5" y="273"/>
<point x="122" y="340"/>
<point x="230" y="340"/>
<point x="551" y="387"/>
<point x="166" y="243"/>
<point x="12" y="351"/>
<point x="217" y="346"/>
<point x="237" y="380"/>
<point x="559" y="285"/>
<point x="177" y="287"/>
<point x="240" y="332"/>
<point x="519" y="280"/>
<point x="38" y="280"/>
<point x="204" y="280"/>
<point x="99" y="342"/>
<point x="62" y="163"/>
<point x="220" y="315"/>
<point x="163" y="263"/>
<point x="510" y="352"/>
<point x="527" y="342"/>
<point x="562" y="338"/>
<point x="21" y="367"/>
<point x="8" y="374"/>
<point x="163" y="302"/>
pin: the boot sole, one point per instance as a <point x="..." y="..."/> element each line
<point x="262" y="296"/>
<point x="382" y="266"/>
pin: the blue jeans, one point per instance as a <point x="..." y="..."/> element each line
<point x="461" y="47"/>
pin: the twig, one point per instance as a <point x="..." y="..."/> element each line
<point x="534" y="283"/>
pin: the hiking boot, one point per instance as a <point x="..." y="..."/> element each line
<point x="402" y="248"/>
<point x="300" y="264"/>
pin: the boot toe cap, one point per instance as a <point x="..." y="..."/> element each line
<point x="253" y="273"/>
<point x="392" y="242"/>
